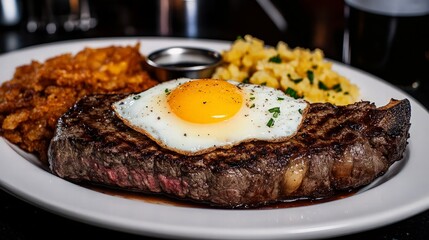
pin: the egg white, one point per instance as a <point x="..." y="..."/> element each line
<point x="149" y="113"/>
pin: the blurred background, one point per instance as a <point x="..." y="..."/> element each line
<point x="388" y="38"/>
<point x="302" y="23"/>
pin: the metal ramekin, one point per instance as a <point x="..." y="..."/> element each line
<point x="176" y="62"/>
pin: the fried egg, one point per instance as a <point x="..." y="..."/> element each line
<point x="195" y="116"/>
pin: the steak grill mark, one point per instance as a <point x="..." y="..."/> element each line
<point x="337" y="149"/>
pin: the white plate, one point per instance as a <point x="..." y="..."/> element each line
<point x="401" y="193"/>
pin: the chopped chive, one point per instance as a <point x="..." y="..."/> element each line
<point x="274" y="110"/>
<point x="270" y="123"/>
<point x="346" y="93"/>
<point x="275" y="59"/>
<point x="280" y="99"/>
<point x="300" y="111"/>
<point x="310" y="75"/>
<point x="296" y="81"/>
<point x="264" y="84"/>
<point x="291" y="92"/>
<point x="246" y="80"/>
<point x="253" y="105"/>
<point x="276" y="114"/>
<point x="322" y="86"/>
<point x="337" y="88"/>
<point x="137" y="97"/>
<point x="252" y="98"/>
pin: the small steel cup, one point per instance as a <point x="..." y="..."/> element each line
<point x="176" y="62"/>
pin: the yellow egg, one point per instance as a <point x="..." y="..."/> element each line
<point x="205" y="101"/>
<point x="195" y="116"/>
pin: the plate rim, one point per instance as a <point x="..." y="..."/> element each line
<point x="319" y="230"/>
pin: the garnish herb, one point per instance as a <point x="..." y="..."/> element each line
<point x="346" y="93"/>
<point x="337" y="88"/>
<point x="167" y="91"/>
<point x="280" y="99"/>
<point x="253" y="105"/>
<point x="310" y="75"/>
<point x="275" y="59"/>
<point x="291" y="92"/>
<point x="270" y="123"/>
<point x="264" y="84"/>
<point x="252" y="98"/>
<point x="322" y="86"/>
<point x="137" y="97"/>
<point x="296" y="81"/>
<point x="274" y="110"/>
<point x="246" y="80"/>
<point x="300" y="111"/>
<point x="276" y="114"/>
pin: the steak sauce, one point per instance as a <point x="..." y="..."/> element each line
<point x="164" y="200"/>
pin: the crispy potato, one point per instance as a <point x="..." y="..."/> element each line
<point x="39" y="93"/>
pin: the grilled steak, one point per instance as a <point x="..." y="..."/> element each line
<point x="336" y="149"/>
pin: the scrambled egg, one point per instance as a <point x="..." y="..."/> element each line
<point x="299" y="72"/>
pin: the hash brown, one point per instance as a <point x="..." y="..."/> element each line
<point x="39" y="93"/>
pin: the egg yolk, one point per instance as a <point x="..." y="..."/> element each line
<point x="205" y="101"/>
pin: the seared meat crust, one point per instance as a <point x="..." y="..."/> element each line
<point x="337" y="148"/>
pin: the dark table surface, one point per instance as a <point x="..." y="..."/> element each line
<point x="216" y="20"/>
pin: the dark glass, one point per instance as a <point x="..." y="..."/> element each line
<point x="395" y="48"/>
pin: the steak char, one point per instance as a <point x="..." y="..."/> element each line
<point x="337" y="149"/>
